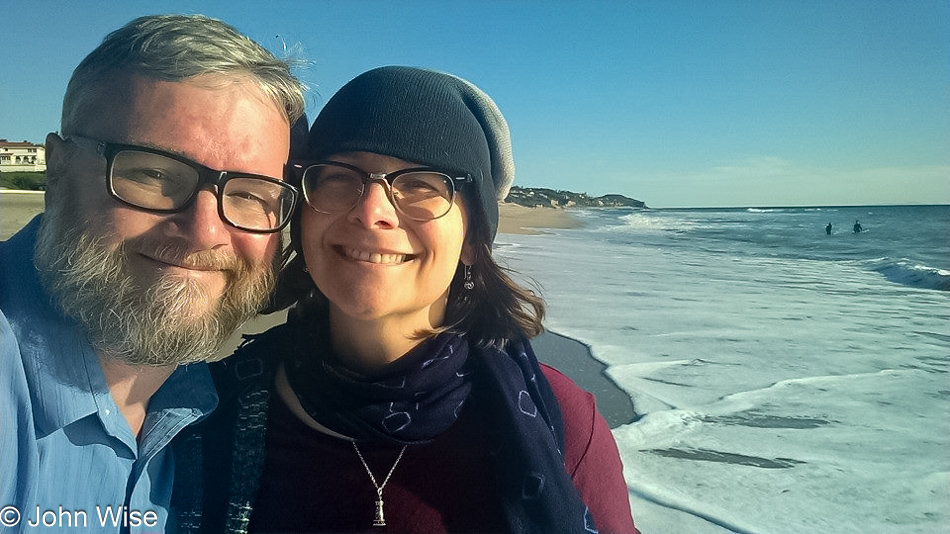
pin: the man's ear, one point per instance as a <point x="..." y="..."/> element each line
<point x="57" y="158"/>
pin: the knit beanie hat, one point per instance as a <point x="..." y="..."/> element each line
<point x="426" y="117"/>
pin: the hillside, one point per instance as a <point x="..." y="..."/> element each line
<point x="533" y="197"/>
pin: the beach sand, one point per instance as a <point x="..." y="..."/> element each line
<point x="515" y="219"/>
<point x="16" y="209"/>
<point x="570" y="356"/>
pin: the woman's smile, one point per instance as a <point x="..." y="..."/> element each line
<point x="382" y="258"/>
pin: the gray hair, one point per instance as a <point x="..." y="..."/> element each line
<point x="177" y="47"/>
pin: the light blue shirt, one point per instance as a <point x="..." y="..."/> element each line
<point x="68" y="459"/>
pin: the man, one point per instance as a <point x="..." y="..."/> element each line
<point x="161" y="235"/>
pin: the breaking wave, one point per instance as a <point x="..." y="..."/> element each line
<point x="908" y="273"/>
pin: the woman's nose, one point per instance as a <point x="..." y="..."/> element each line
<point x="375" y="208"/>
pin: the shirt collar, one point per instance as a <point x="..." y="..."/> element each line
<point x="191" y="387"/>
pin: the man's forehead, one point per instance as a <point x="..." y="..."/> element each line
<point x="201" y="115"/>
<point x="128" y="95"/>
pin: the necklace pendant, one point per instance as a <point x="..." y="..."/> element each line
<point x="380" y="519"/>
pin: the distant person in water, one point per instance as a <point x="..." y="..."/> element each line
<point x="857" y="227"/>
<point x="828" y="229"/>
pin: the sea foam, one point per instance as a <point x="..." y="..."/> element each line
<point x="788" y="380"/>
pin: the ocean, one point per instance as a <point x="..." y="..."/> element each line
<point x="786" y="380"/>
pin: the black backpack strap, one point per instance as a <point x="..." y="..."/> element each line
<point x="220" y="460"/>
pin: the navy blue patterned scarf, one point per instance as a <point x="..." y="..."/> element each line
<point x="414" y="399"/>
<point x="421" y="395"/>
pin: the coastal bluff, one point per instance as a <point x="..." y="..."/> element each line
<point x="539" y="197"/>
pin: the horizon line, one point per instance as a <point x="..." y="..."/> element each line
<point x="797" y="206"/>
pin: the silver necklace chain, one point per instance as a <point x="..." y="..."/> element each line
<point x="379" y="519"/>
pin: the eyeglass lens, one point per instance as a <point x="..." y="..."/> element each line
<point x="420" y="195"/>
<point x="157" y="182"/>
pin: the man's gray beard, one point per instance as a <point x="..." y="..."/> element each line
<point x="165" y="324"/>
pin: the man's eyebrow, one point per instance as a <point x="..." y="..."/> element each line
<point x="164" y="149"/>
<point x="171" y="152"/>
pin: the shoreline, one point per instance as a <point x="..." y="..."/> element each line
<point x="568" y="355"/>
<point x="575" y="359"/>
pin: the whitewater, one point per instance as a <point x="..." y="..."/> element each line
<point x="786" y="380"/>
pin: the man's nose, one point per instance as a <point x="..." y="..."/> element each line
<point x="201" y="223"/>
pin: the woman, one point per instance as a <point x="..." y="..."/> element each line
<point x="402" y="394"/>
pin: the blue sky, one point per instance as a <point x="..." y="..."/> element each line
<point x="676" y="103"/>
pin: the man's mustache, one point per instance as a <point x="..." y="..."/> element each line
<point x="183" y="255"/>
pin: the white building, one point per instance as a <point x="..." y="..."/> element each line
<point x="22" y="156"/>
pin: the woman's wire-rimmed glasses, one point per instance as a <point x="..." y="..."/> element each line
<point x="420" y="193"/>
<point x="154" y="180"/>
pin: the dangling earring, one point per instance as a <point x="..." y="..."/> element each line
<point x="467" y="282"/>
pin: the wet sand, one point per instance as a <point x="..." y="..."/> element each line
<point x="570" y="356"/>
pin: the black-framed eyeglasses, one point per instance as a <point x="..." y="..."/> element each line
<point x="419" y="193"/>
<point x="158" y="181"/>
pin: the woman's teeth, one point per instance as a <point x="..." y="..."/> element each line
<point x="373" y="257"/>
